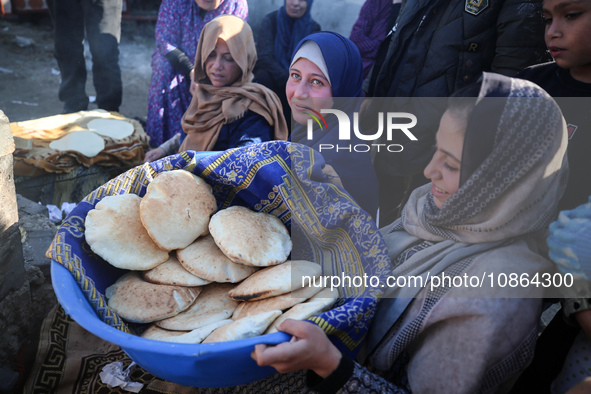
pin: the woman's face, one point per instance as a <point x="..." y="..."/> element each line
<point x="307" y="89"/>
<point x="296" y="8"/>
<point x="208" y="5"/>
<point x="220" y="67"/>
<point x="444" y="168"/>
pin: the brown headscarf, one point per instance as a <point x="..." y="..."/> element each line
<point x="212" y="107"/>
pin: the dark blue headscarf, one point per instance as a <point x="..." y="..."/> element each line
<point x="289" y="32"/>
<point x="345" y="69"/>
<point x="343" y="62"/>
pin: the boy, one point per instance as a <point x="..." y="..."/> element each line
<point x="568" y="80"/>
<point x="568" y="37"/>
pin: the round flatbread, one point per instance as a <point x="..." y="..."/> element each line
<point x="195" y="336"/>
<point x="176" y="209"/>
<point x="204" y="259"/>
<point x="138" y="301"/>
<point x="159" y="334"/>
<point x="251" y="238"/>
<point x="325" y="294"/>
<point x="84" y="142"/>
<point x="276" y="280"/>
<point x="248" y="327"/>
<point x="114" y="232"/>
<point x="212" y="305"/>
<point x="280" y="302"/>
<point x="322" y="302"/>
<point x="171" y="272"/>
<point x="112" y="128"/>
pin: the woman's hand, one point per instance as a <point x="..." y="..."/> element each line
<point x="154" y="154"/>
<point x="309" y="348"/>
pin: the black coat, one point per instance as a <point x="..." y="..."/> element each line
<point x="435" y="48"/>
<point x="438" y="47"/>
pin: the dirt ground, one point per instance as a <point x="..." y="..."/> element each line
<point x="29" y="75"/>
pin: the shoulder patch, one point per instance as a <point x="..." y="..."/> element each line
<point x="475" y="7"/>
<point x="571" y="130"/>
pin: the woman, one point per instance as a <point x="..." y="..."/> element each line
<point x="228" y="110"/>
<point x="278" y="34"/>
<point x="496" y="176"/>
<point x="177" y="32"/>
<point x="326" y="66"/>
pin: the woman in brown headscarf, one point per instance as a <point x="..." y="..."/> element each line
<point x="228" y="110"/>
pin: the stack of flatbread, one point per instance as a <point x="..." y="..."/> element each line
<point x="197" y="275"/>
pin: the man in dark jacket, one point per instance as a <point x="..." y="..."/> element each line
<point x="99" y="22"/>
<point x="435" y="48"/>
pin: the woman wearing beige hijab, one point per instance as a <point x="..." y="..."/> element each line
<point x="228" y="110"/>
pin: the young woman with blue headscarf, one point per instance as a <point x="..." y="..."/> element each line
<point x="327" y="66"/>
<point x="277" y="37"/>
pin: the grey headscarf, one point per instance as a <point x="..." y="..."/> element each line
<point x="516" y="186"/>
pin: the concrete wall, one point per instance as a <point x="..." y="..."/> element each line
<point x="26" y="294"/>
<point x="15" y="300"/>
<point x="335" y="15"/>
<point x="12" y="273"/>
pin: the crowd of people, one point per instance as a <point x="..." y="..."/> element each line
<point x="479" y="191"/>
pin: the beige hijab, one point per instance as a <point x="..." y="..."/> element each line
<point x="212" y="107"/>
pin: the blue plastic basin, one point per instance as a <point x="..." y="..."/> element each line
<point x="200" y="365"/>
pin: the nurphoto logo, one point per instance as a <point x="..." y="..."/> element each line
<point x="395" y="122"/>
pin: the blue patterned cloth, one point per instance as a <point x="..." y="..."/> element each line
<point x="280" y="178"/>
